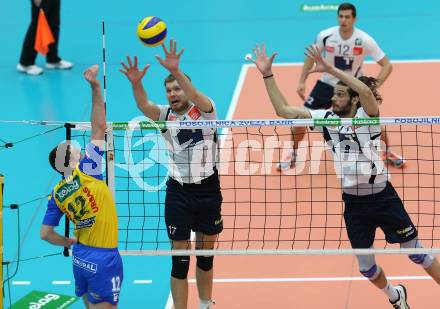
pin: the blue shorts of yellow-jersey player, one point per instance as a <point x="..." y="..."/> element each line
<point x="98" y="273"/>
<point x="194" y="207"/>
<point x="363" y="214"/>
<point x="320" y="97"/>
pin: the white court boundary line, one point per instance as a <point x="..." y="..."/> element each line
<point x="142" y="281"/>
<point x="61" y="282"/>
<point x="21" y="282"/>
<point x="231" y="110"/>
<point x="313" y="279"/>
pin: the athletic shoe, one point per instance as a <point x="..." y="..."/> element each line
<point x="287" y="163"/>
<point x="401" y="303"/>
<point x="209" y="305"/>
<point x="394" y="159"/>
<point x="60" y="65"/>
<point x="29" y="69"/>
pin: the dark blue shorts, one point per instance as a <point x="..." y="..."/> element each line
<point x="320" y="97"/>
<point x="194" y="207"/>
<point x="98" y="272"/>
<point x="363" y="214"/>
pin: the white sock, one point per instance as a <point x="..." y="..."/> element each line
<point x="205" y="303"/>
<point x="391" y="292"/>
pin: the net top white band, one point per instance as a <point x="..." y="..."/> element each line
<point x="145" y="125"/>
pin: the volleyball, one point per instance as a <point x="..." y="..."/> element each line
<point x="152" y="31"/>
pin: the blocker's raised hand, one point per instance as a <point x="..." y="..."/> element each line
<point x="321" y="65"/>
<point x="91" y="75"/>
<point x="172" y="57"/>
<point x="132" y="71"/>
<point x="262" y="61"/>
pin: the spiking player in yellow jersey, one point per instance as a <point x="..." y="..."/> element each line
<point x="86" y="200"/>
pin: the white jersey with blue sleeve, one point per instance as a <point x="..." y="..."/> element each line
<point x="355" y="151"/>
<point x="347" y="55"/>
<point x="193" y="152"/>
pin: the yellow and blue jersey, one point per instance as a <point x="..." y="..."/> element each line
<point x="86" y="201"/>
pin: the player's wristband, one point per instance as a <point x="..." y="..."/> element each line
<point x="268" y="76"/>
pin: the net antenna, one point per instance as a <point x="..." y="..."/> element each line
<point x="109" y="162"/>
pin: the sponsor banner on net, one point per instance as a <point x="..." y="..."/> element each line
<point x="188" y="124"/>
<point x="45" y="300"/>
<point x="417" y="120"/>
<point x="365" y="121"/>
<point x="327" y="122"/>
<point x="243" y="123"/>
<point x="222" y="123"/>
<point x="144" y="125"/>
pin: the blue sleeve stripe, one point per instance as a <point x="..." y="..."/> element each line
<point x="53" y="214"/>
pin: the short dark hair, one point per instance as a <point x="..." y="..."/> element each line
<point x="347" y="6"/>
<point x="53" y="156"/>
<point x="371" y="82"/>
<point x="170" y="78"/>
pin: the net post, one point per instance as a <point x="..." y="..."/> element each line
<point x="68" y="127"/>
<point x="1" y="239"/>
<point x="110" y="162"/>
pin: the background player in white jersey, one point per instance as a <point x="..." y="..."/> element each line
<point x="193" y="197"/>
<point x="345" y="47"/>
<point x="370" y="199"/>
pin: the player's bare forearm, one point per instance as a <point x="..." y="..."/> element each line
<point x="140" y="95"/>
<point x="279" y="102"/>
<point x="48" y="234"/>
<point x="366" y="96"/>
<point x="195" y="96"/>
<point x="98" y="118"/>
<point x="306" y="68"/>
<point x="141" y="98"/>
<point x="385" y="70"/>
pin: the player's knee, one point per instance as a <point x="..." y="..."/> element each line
<point x="180" y="267"/>
<point x="371" y="273"/>
<point x="205" y="262"/>
<point x="424" y="260"/>
<point x="368" y="267"/>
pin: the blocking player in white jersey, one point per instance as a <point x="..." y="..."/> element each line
<point x="345" y="47"/>
<point x="193" y="197"/>
<point x="370" y="199"/>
